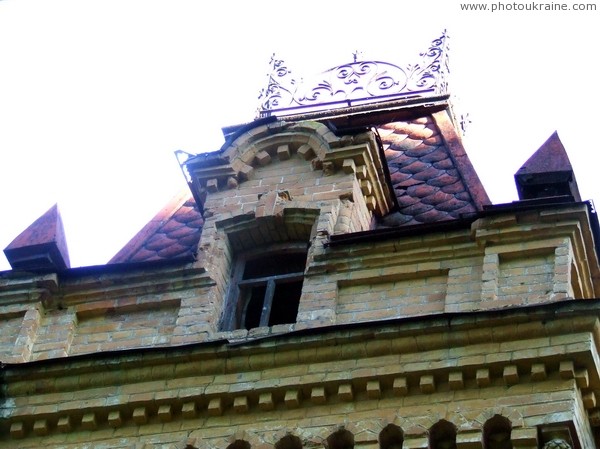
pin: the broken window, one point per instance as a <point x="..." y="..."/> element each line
<point x="266" y="288"/>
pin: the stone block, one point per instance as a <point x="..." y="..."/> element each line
<point x="373" y="389"/>
<point x="400" y="386"/>
<point x="115" y="419"/>
<point x="345" y="392"/>
<point x="88" y="421"/>
<point x="318" y="395"/>
<point x="455" y="380"/>
<point x="189" y="410"/>
<point x="427" y="384"/>
<point x="140" y="415"/>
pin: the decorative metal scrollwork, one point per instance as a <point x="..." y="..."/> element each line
<point x="355" y="83"/>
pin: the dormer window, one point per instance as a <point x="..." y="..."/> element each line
<point x="265" y="287"/>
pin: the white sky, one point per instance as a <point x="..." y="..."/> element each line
<point x="96" y="95"/>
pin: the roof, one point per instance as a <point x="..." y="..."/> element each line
<point x="173" y="233"/>
<point x="430" y="172"/>
<point x="551" y="156"/>
<point x="548" y="172"/>
<point x="42" y="245"/>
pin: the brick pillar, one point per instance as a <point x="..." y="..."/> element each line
<point x="489" y="277"/>
<point x="27" y="335"/>
<point x="56" y="335"/>
<point x="563" y="257"/>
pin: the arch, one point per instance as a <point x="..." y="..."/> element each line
<point x="289" y="441"/>
<point x="260" y="145"/>
<point x="442" y="435"/>
<point x="268" y="137"/>
<point x="340" y="439"/>
<point x="391" y="437"/>
<point x="496" y="433"/>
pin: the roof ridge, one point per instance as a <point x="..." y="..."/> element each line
<point x="461" y="159"/>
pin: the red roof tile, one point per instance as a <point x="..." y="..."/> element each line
<point x="42" y="245"/>
<point x="430" y="172"/>
<point x="548" y="172"/>
<point x="173" y="233"/>
<point x="550" y="157"/>
<point x="429" y="169"/>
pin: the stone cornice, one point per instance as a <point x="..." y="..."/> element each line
<point x="23" y="288"/>
<point x="396" y="359"/>
<point x="363" y="159"/>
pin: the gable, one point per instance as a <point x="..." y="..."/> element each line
<point x="425" y="167"/>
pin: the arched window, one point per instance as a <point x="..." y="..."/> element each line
<point x="496" y="433"/>
<point x="391" y="437"/>
<point x="442" y="435"/>
<point x="340" y="439"/>
<point x="289" y="442"/>
<point x="266" y="286"/>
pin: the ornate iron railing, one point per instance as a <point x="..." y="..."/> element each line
<point x="356" y="83"/>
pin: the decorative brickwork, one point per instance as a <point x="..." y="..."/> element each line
<point x="304" y="385"/>
<point x="426" y="318"/>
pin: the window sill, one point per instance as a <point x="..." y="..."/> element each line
<point x="256" y="332"/>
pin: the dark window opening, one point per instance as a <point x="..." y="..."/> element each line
<point x="442" y="435"/>
<point x="341" y="439"/>
<point x="239" y="444"/>
<point x="391" y="437"/>
<point x="285" y="303"/>
<point x="274" y="264"/>
<point x="289" y="442"/>
<point x="266" y="289"/>
<point x="254" y="304"/>
<point x="496" y="433"/>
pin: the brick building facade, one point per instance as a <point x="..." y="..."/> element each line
<point x="336" y="279"/>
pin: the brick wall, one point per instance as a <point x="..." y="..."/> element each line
<point x="10" y="328"/>
<point x="519" y="365"/>
<point x="136" y="356"/>
<point x="434" y="273"/>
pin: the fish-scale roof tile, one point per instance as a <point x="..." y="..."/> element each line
<point x="455" y="187"/>
<point x="445" y="178"/>
<point x="437" y="156"/>
<point x="450" y="205"/>
<point x="430" y="173"/>
<point x="174" y="232"/>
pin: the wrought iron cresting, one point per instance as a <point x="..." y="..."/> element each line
<point x="355" y="83"/>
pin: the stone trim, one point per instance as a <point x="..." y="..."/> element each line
<point x="176" y="390"/>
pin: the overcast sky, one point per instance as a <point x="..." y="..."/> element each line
<point x="96" y="95"/>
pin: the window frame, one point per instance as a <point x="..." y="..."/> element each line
<point x="233" y="317"/>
